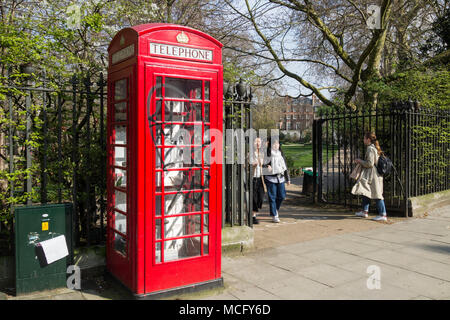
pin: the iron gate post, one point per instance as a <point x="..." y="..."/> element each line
<point x="314" y="159"/>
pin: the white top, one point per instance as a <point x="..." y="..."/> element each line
<point x="257" y="170"/>
<point x="277" y="161"/>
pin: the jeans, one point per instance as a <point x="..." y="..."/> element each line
<point x="380" y="205"/>
<point x="276" y="194"/>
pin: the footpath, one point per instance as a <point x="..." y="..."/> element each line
<point x="328" y="253"/>
<point x="323" y="253"/>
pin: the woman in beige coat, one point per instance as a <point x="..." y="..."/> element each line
<point x="370" y="183"/>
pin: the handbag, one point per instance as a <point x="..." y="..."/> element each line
<point x="356" y="172"/>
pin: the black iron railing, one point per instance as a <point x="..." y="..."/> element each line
<point x="60" y="153"/>
<point x="67" y="161"/>
<point x="237" y="177"/>
<point x="414" y="138"/>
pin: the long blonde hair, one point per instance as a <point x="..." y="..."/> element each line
<point x="373" y="139"/>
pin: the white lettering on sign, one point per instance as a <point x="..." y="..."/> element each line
<point x="122" y="54"/>
<point x="180" y="52"/>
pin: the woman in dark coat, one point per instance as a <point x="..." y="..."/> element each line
<point x="257" y="160"/>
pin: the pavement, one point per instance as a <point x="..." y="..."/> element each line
<point x="405" y="260"/>
<point x="322" y="252"/>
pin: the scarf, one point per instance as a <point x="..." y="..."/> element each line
<point x="277" y="162"/>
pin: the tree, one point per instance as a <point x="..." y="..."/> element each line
<point x="308" y="40"/>
<point x="267" y="110"/>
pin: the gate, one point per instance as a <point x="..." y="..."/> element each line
<point x="414" y="138"/>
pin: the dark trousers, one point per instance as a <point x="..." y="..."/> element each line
<point x="258" y="193"/>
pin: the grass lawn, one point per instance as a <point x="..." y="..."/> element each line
<point x="302" y="154"/>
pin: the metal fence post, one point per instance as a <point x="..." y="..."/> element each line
<point x="88" y="217"/>
<point x="28" y="146"/>
<point x="75" y="224"/>
<point x="314" y="160"/>
<point x="11" y="145"/>
<point x="59" y="108"/>
<point x="406" y="145"/>
<point x="250" y="181"/>
<point x="45" y="148"/>
<point x="101" y="85"/>
<point x="318" y="178"/>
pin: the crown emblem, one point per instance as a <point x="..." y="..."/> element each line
<point x="122" y="41"/>
<point x="182" y="37"/>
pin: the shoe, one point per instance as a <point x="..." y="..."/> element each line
<point x="362" y="214"/>
<point x="255" y="221"/>
<point x="276" y="219"/>
<point x="380" y="218"/>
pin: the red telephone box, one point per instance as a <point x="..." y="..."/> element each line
<point x="164" y="185"/>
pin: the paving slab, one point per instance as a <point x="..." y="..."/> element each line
<point x="361" y="238"/>
<point x="359" y="266"/>
<point x="222" y="296"/>
<point x="328" y="275"/>
<point x="252" y="293"/>
<point x="68" y="296"/>
<point x="261" y="273"/>
<point x="331" y="256"/>
<point x="392" y="236"/>
<point x="286" y="260"/>
<point x="433" y="269"/>
<point x="352" y="247"/>
<point x="392" y="257"/>
<point x="419" y="284"/>
<point x="358" y="290"/>
<point x="430" y="250"/>
<point x="295" y="288"/>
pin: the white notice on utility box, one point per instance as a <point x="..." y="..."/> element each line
<point x="54" y="249"/>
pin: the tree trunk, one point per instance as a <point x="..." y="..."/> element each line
<point x="372" y="72"/>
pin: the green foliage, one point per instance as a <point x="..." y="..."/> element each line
<point x="289" y="161"/>
<point x="307" y="136"/>
<point x="429" y="86"/>
<point x="232" y="73"/>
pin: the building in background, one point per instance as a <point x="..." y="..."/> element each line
<point x="297" y="115"/>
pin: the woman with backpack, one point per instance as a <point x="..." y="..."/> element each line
<point x="370" y="183"/>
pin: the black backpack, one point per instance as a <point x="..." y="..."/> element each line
<point x="384" y="165"/>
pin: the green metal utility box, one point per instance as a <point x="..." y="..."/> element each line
<point x="33" y="225"/>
